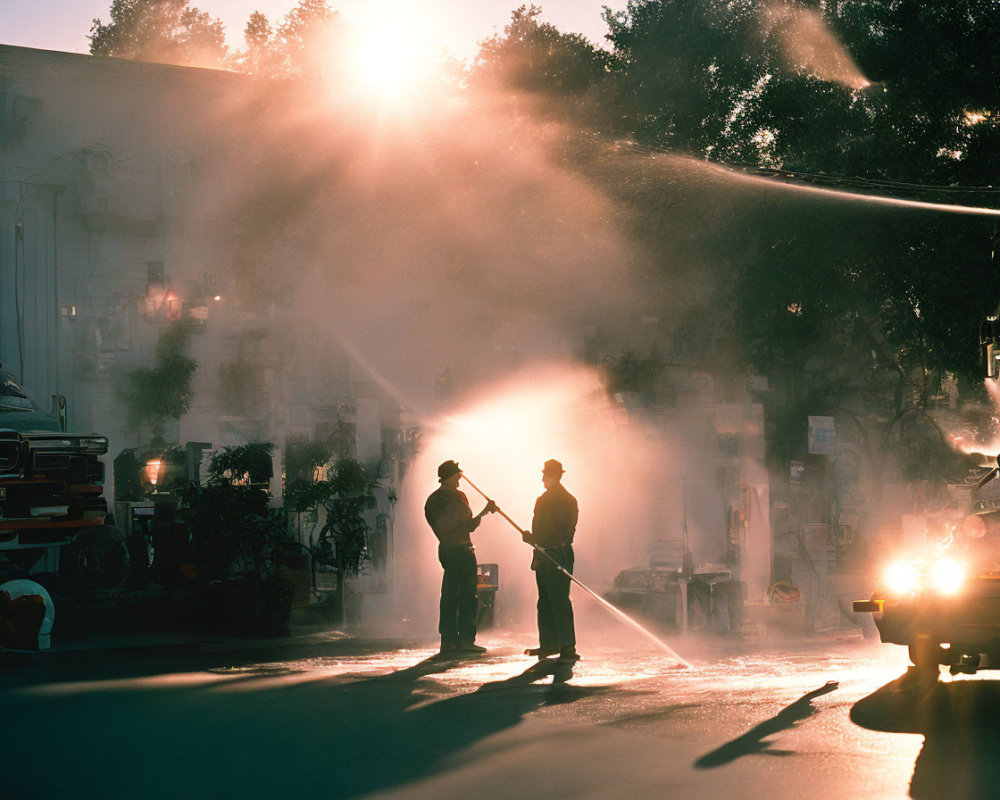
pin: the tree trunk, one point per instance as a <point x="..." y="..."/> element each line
<point x="341" y="575"/>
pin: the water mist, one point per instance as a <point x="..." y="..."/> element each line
<point x="501" y="437"/>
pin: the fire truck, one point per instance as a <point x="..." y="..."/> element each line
<point x="52" y="505"/>
<point x="943" y="601"/>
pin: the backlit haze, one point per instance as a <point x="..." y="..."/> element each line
<point x="457" y="26"/>
<point x="424" y="234"/>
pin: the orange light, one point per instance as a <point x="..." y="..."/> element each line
<point x="173" y="306"/>
<point x="151" y="472"/>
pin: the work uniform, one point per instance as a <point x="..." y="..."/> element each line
<point x="448" y="513"/>
<point x="552" y="529"/>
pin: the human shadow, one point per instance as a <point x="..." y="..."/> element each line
<point x="755" y="740"/>
<point x="432" y="665"/>
<point x="557" y="692"/>
<point x="116" y="663"/>
<point x="264" y="733"/>
<point x="535" y="673"/>
<point x="960" y="722"/>
<point x="256" y="672"/>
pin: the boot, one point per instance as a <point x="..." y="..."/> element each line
<point x="469" y="646"/>
<point x="541" y="652"/>
<point x="448" y="644"/>
<point x="568" y="654"/>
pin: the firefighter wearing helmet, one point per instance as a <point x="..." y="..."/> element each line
<point x="552" y="527"/>
<point x="449" y="514"/>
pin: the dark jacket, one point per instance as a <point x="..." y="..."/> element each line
<point x="554" y="522"/>
<point x="448" y="513"/>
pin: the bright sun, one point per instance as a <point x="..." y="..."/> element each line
<point x="391" y="61"/>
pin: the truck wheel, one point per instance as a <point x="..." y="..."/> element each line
<point x="927" y="656"/>
<point x="98" y="559"/>
<point x="699" y="608"/>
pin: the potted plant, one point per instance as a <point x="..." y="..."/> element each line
<point x="235" y="537"/>
<point x="345" y="493"/>
<point x="344" y="537"/>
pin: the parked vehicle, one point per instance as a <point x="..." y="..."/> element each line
<point x="944" y="603"/>
<point x="52" y="494"/>
<point x="699" y="600"/>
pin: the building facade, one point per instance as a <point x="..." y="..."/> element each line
<point x="121" y="205"/>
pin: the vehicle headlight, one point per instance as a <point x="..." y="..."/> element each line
<point x="902" y="577"/>
<point x="947" y="576"/>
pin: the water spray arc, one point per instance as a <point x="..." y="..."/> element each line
<point x="840" y="194"/>
<point x="615" y="610"/>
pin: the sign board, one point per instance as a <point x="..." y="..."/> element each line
<point x="822" y="436"/>
<point x="347" y="412"/>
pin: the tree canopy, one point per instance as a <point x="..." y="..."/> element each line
<point x="535" y="56"/>
<point x="298" y="45"/>
<point x="166" y="31"/>
<point x="901" y="97"/>
<point x="175" y="32"/>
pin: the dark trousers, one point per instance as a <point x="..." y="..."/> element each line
<point x="458" y="592"/>
<point x="555" y="612"/>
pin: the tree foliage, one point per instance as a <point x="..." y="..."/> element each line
<point x="535" y="56"/>
<point x="874" y="88"/>
<point x="165" y="31"/>
<point x="346" y="495"/>
<point x="230" y="525"/>
<point x="231" y="528"/>
<point x="349" y="493"/>
<point x="304" y="43"/>
<point x="256" y="56"/>
<point x="247" y="464"/>
<point x="235" y="539"/>
<point x="302" y="457"/>
<point x="902" y="93"/>
<point x="152" y="395"/>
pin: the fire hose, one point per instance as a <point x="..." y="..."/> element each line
<point x="617" y="611"/>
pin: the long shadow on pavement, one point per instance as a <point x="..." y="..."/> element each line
<point x="960" y="722"/>
<point x="28" y="668"/>
<point x="267" y="734"/>
<point x="755" y="740"/>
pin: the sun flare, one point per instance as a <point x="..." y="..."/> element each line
<point x="391" y="62"/>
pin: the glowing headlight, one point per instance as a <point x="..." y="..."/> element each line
<point x="947" y="576"/>
<point x="902" y="577"/>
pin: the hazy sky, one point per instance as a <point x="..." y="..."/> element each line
<point x="458" y="24"/>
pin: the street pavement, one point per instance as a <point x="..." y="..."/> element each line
<point x="327" y="715"/>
